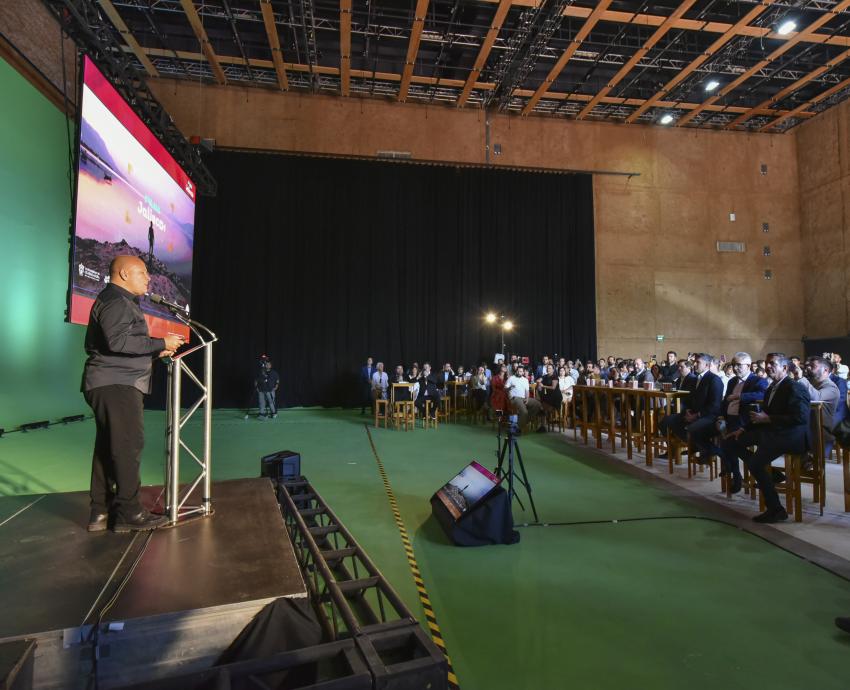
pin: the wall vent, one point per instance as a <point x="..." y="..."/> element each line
<point x="738" y="247"/>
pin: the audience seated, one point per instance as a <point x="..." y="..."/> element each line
<point x="670" y="369"/>
<point x="696" y="422"/>
<point x="427" y="391"/>
<point x="823" y="389"/>
<point x="380" y="381"/>
<point x="743" y="391"/>
<point x="401" y="394"/>
<point x="641" y="374"/>
<point x="781" y="428"/>
<point x="550" y="391"/>
<point x="522" y="405"/>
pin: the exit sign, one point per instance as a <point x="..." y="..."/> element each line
<point x="659" y="338"/>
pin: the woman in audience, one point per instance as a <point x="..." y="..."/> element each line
<point x="565" y="383"/>
<point x="478" y="386"/>
<point x="656" y="372"/>
<point x="549" y="391"/>
<point x="498" y="395"/>
<point x="413" y="377"/>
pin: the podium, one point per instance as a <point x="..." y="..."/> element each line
<point x="177" y="501"/>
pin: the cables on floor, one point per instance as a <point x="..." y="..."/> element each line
<point x="650" y="518"/>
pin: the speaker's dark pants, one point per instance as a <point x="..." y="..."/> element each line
<point x="115" y="481"/>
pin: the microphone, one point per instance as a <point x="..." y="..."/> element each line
<point x="159" y="299"/>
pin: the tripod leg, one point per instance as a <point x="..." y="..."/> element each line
<point x="526" y="484"/>
<point x="500" y="454"/>
<point x="512" y="494"/>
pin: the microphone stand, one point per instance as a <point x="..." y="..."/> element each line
<point x="176" y="507"/>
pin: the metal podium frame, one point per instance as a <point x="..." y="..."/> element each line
<point x="176" y="507"/>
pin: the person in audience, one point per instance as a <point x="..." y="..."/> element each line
<point x="655" y="370"/>
<point x="612" y="361"/>
<point x="717" y="368"/>
<point x="498" y="394"/>
<point x="613" y="375"/>
<point x="781" y="428"/>
<point x="562" y="362"/>
<point x="840" y="369"/>
<point x="744" y="390"/>
<point x="761" y="373"/>
<point x="601" y="367"/>
<point x="623" y="368"/>
<point x="641" y="374"/>
<point x="442" y="379"/>
<point x="399" y="394"/>
<point x="550" y="391"/>
<point x="523" y="406"/>
<point x="541" y="368"/>
<point x="366" y="372"/>
<point x="572" y="371"/>
<point x="380" y="381"/>
<point x="821" y="388"/>
<point x="479" y="388"/>
<point x="427" y="391"/>
<point x="687" y="380"/>
<point x="565" y="383"/>
<point x="413" y="379"/>
<point x="670" y="369"/>
<point x="841" y="410"/>
<point x="702" y="407"/>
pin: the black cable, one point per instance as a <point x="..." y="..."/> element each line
<point x="67" y="123"/>
<point x="94" y="635"/>
<point x="720" y="521"/>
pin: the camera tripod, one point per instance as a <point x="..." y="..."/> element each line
<point x="510" y="447"/>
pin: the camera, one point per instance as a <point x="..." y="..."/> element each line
<point x="511" y="424"/>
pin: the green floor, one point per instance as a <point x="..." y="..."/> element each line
<point x="660" y="604"/>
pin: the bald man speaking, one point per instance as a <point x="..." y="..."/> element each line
<point x="116" y="378"/>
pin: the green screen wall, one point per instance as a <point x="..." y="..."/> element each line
<point x="41" y="356"/>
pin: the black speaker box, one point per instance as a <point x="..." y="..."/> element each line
<point x="489" y="522"/>
<point x="285" y="464"/>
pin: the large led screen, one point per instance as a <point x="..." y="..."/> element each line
<point x="132" y="198"/>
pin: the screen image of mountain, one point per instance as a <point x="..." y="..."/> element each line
<point x="467" y="488"/>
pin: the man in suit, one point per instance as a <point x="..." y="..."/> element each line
<point x="841" y="410"/>
<point x="366" y="372"/>
<point x="744" y="390"/>
<point x="686" y="379"/>
<point x="427" y="391"/>
<point x="781" y="428"/>
<point x="670" y="370"/>
<point x="701" y="408"/>
<point x="442" y="379"/>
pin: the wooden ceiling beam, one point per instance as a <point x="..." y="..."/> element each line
<point x="451" y="83"/>
<point x="128" y="37"/>
<point x="637" y="57"/>
<point x="730" y="33"/>
<point x="413" y="47"/>
<point x="781" y="50"/>
<point x="203" y="39"/>
<point x="345" y="46"/>
<point x="484" y="51"/>
<point x="650" y="20"/>
<point x="591" y="21"/>
<point x="791" y="88"/>
<point x="274" y="44"/>
<point x="800" y="110"/>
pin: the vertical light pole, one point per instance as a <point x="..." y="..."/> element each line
<point x="504" y="325"/>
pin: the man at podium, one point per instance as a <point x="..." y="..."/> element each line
<point x="116" y="376"/>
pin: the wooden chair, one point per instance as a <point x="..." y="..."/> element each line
<point x="444" y="410"/>
<point x="695" y="467"/>
<point x="427" y="420"/>
<point x="403" y="411"/>
<point x="381" y="412"/>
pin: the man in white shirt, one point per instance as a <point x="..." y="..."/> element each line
<point x="841" y="370"/>
<point x="380" y="381"/>
<point x="517" y="389"/>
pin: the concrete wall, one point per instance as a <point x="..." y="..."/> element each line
<point x="658" y="271"/>
<point x="823" y="155"/>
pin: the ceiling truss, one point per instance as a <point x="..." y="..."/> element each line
<point x="613" y="60"/>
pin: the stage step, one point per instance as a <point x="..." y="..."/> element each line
<point x="311" y="512"/>
<point x="357" y="586"/>
<point x="322" y="531"/>
<point x="335" y="555"/>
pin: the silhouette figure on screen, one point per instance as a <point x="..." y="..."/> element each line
<point x="150" y="243"/>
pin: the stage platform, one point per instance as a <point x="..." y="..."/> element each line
<point x="193" y="590"/>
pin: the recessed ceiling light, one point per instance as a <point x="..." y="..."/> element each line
<point x="786" y="28"/>
<point x="713" y="84"/>
<point x="666" y="119"/>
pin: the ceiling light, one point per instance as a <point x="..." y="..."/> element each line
<point x="508" y="325"/>
<point x="786" y="28"/>
<point x="713" y="84"/>
<point x="666" y="119"/>
<point x="491" y="318"/>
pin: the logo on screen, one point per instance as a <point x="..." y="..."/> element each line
<point x="190" y="190"/>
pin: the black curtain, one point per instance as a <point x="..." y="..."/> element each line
<point x="321" y="262"/>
